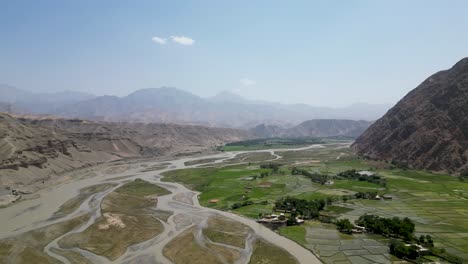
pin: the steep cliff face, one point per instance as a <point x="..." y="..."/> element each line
<point x="428" y="128"/>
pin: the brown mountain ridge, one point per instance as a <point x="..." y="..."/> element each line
<point x="34" y="149"/>
<point x="428" y="128"/>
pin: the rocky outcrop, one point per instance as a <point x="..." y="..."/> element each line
<point x="428" y="128"/>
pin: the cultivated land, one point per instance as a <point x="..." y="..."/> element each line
<point x="270" y="143"/>
<point x="117" y="216"/>
<point x="435" y="202"/>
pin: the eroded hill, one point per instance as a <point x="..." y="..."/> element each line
<point x="33" y="150"/>
<point x="428" y="128"/>
<point x="315" y="128"/>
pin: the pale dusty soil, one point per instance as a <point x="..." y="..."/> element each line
<point x="8" y="199"/>
<point x="112" y="220"/>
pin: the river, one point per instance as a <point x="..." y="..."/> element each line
<point x="35" y="213"/>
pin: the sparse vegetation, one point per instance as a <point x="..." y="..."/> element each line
<point x="125" y="221"/>
<point x="72" y="204"/>
<point x="28" y="247"/>
<point x="267" y="253"/>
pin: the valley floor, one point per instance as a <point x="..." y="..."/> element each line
<point x="204" y="211"/>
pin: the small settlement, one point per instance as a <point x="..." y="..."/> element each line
<point x="274" y="221"/>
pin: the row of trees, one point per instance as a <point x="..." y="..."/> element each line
<point x="315" y="177"/>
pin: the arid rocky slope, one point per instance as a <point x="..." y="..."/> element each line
<point x="428" y="128"/>
<point x="35" y="149"/>
<point x="315" y="128"/>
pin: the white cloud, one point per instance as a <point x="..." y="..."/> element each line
<point x="247" y="82"/>
<point x="183" y="40"/>
<point x="158" y="40"/>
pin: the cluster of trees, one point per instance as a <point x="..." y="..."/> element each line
<point x="365" y="195"/>
<point x="315" y="177"/>
<point x="401" y="250"/>
<point x="344" y="226"/>
<point x="239" y="205"/>
<point x="309" y="209"/>
<point x="273" y="166"/>
<point x="354" y="175"/>
<point x="393" y="227"/>
<point x="426" y="241"/>
<point x="401" y="229"/>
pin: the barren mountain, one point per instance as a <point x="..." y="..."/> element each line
<point x="428" y="128"/>
<point x="172" y="105"/>
<point x="315" y="128"/>
<point x="35" y="149"/>
<point x="226" y="109"/>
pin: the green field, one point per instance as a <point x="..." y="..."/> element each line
<point x="436" y="203"/>
<point x="270" y="143"/>
<point x="333" y="247"/>
<point x="235" y="184"/>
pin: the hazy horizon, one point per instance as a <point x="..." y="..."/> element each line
<point x="317" y="53"/>
<point x="233" y="93"/>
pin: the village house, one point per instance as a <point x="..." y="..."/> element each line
<point x="387" y="197"/>
<point x="366" y="173"/>
<point x="329" y="183"/>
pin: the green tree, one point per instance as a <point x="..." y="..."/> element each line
<point x="398" y="248"/>
<point x="344" y="226"/>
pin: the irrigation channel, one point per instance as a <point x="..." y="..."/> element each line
<point x="187" y="212"/>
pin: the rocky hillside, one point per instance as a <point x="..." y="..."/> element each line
<point x="35" y="149"/>
<point x="428" y="128"/>
<point x="315" y="128"/>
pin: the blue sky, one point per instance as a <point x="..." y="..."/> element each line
<point x="332" y="53"/>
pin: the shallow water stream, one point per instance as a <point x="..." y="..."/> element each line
<point x="187" y="212"/>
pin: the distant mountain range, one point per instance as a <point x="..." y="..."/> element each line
<point x="22" y="101"/>
<point x="428" y="128"/>
<point x="314" y="128"/>
<point x="172" y="105"/>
